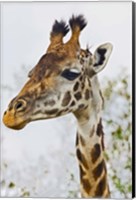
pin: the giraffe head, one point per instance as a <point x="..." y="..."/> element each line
<point x="60" y="82"/>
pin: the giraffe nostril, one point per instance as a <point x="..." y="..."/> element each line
<point x="5" y="112"/>
<point x="20" y="105"/>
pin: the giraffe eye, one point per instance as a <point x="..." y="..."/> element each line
<point x="70" y="74"/>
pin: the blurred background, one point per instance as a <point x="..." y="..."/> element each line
<point x="40" y="161"/>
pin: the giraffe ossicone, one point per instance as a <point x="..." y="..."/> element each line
<point x="65" y="80"/>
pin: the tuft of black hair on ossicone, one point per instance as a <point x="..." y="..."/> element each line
<point x="59" y="27"/>
<point x="77" y="21"/>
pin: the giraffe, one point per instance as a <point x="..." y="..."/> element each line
<point x="65" y="81"/>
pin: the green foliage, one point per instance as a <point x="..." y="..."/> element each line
<point x="25" y="194"/>
<point x="11" y="185"/>
<point x="73" y="193"/>
<point x="118" y="124"/>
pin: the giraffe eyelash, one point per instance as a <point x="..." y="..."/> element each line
<point x="70" y="74"/>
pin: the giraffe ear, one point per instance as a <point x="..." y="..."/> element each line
<point x="101" y="56"/>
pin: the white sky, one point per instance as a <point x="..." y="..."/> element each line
<point x="25" y="37"/>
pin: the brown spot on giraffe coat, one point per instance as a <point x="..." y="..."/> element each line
<point x="95" y="153"/>
<point x="82" y="140"/>
<point x="51" y="112"/>
<point x="82" y="172"/>
<point x="78" y="96"/>
<point x="86" y="185"/>
<point x="87" y="94"/>
<point x="76" y="86"/>
<point x="66" y="99"/>
<point x="100" y="132"/>
<point x="81" y="106"/>
<point x="82" y="158"/>
<point x="97" y="171"/>
<point x="99" y="128"/>
<point x="101" y="187"/>
<point x="77" y="140"/>
<point x="72" y="103"/>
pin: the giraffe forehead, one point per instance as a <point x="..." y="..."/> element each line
<point x="48" y="63"/>
<point x="51" y="64"/>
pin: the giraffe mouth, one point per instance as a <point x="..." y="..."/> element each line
<point x="15" y="126"/>
<point x="19" y="126"/>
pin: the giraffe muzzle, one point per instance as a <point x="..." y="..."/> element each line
<point x="14" y="116"/>
<point x="12" y="122"/>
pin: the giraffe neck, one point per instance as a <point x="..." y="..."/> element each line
<point x="90" y="148"/>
